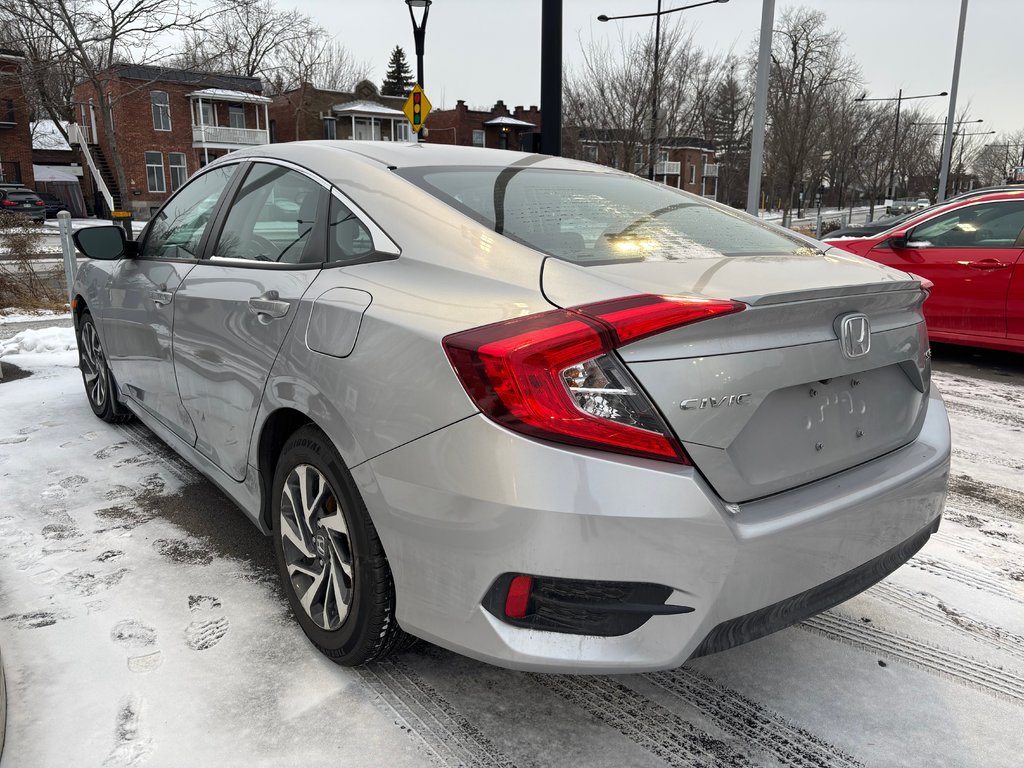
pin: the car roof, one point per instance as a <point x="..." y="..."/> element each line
<point x="394" y="155"/>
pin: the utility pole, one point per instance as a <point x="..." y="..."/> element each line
<point x="760" y="106"/>
<point x="947" y="140"/>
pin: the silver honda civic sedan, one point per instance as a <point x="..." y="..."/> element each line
<point x="540" y="412"/>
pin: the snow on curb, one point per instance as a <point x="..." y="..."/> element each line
<point x="42" y="340"/>
<point x="7" y="317"/>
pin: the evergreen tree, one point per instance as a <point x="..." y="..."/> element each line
<point x="398" y="81"/>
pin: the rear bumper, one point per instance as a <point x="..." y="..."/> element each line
<point x="468" y="503"/>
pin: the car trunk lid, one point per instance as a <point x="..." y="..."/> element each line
<point x="766" y="399"/>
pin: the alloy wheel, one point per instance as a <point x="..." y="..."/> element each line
<point x="317" y="547"/>
<point x="94" y="366"/>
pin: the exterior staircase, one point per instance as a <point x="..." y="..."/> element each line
<point x="107" y="173"/>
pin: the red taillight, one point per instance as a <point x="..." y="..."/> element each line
<point x="8" y="203"/>
<point x="637" y="317"/>
<point x="40" y="202"/>
<point x="518" y="599"/>
<point x="550" y="375"/>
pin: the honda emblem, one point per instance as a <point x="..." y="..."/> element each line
<point x="854" y="333"/>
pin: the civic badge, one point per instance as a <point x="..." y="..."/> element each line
<point x="854" y="332"/>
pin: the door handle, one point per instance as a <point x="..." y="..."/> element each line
<point x="987" y="264"/>
<point x="161" y="297"/>
<point x="268" y="306"/>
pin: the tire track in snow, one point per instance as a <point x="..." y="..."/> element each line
<point x="976" y="496"/>
<point x="1008" y="417"/>
<point x="646" y="723"/>
<point x="932" y="609"/>
<point x="1006" y="460"/>
<point x="748" y="720"/>
<point x="446" y="735"/>
<point x="921" y="655"/>
<point x="964" y="575"/>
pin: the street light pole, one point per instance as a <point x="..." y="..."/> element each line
<point x="900" y="98"/>
<point x="947" y="140"/>
<point x="655" y="85"/>
<point x="760" y="107"/>
<point x="419" y="33"/>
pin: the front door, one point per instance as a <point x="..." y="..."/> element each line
<point x="234" y="309"/>
<point x="137" y="326"/>
<point x="969" y="254"/>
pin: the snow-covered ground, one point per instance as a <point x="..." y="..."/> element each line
<point x="141" y="625"/>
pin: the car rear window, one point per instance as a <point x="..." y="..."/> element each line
<point x="22" y="197"/>
<point x="600" y="218"/>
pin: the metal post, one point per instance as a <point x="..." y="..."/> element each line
<point x="760" y="106"/>
<point x="67" y="246"/>
<point x="947" y="140"/>
<point x="551" y="78"/>
<point x="654" y="95"/>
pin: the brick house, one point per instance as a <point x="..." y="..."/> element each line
<point x="15" y="133"/>
<point x="498" y="127"/>
<point x="306" y="113"/>
<point x="684" y="162"/>
<point x="169" y="123"/>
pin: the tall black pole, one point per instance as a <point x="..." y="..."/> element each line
<point x="551" y="78"/>
<point x="419" y="33"/>
<point x="654" y="95"/>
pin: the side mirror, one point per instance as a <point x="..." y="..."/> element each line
<point x="104" y="243"/>
<point x="898" y="241"/>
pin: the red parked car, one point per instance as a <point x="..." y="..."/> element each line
<point x="972" y="251"/>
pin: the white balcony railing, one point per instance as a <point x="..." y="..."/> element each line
<point x="664" y="168"/>
<point x="218" y="134"/>
<point x="710" y="170"/>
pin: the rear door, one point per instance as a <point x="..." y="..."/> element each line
<point x="969" y="254"/>
<point x="234" y="309"/>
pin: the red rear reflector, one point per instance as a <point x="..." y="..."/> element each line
<point x="518" y="597"/>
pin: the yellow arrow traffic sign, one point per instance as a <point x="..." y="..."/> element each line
<point x="417" y="107"/>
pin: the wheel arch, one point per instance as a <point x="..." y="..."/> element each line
<point x="274" y="433"/>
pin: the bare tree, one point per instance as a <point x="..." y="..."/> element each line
<point x="729" y="123"/>
<point x="996" y="161"/>
<point x="809" y="68"/>
<point x="48" y="75"/>
<point x="93" y="35"/>
<point x="607" y="97"/>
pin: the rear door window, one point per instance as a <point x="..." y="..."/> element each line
<point x="276" y="216"/>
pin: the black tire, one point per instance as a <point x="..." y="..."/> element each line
<point x="335" y="543"/>
<point x="100" y="388"/>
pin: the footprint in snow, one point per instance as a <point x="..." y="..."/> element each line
<point x="110" y="450"/>
<point x="132" y="744"/>
<point x="208" y="625"/>
<point x="13" y="439"/>
<point x="139" y="642"/>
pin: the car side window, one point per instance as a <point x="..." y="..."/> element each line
<point x="177" y="229"/>
<point x="986" y="225"/>
<point x="348" y="238"/>
<point x="274" y="218"/>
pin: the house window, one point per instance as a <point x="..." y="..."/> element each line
<point x="161" y="110"/>
<point x="330" y="128"/>
<point x="402" y="131"/>
<point x="273" y="131"/>
<point x="478" y="138"/>
<point x="693" y="173"/>
<point x="590" y="153"/>
<point x="7" y="111"/>
<point x="155" y="172"/>
<point x="204" y="113"/>
<point x="236" y="116"/>
<point x="179" y="171"/>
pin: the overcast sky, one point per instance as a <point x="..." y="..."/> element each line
<point x="485" y="50"/>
